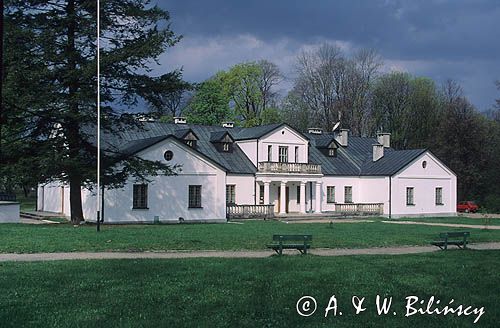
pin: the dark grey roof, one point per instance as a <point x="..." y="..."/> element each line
<point x="353" y="160"/>
<point x="135" y="139"/>
<point x="356" y="158"/>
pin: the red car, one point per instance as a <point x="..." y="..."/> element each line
<point x="467" y="206"/>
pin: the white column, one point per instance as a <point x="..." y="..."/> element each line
<point x="266" y="192"/>
<point x="302" y="197"/>
<point x="318" y="197"/>
<point x="283" y="198"/>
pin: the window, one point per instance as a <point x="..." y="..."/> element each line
<point x="140" y="196"/>
<point x="330" y="194"/>
<point x="168" y="155"/>
<point x="261" y="195"/>
<point x="298" y="194"/>
<point x="409" y="196"/>
<point x="191" y="143"/>
<point x="194" y="196"/>
<point x="332" y="152"/>
<point x="439" y="196"/>
<point x="348" y="194"/>
<point x="269" y="153"/>
<point x="283" y="154"/>
<point x="226" y="146"/>
<point x="296" y="154"/>
<point x="231" y="194"/>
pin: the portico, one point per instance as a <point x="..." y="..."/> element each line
<point x="291" y="195"/>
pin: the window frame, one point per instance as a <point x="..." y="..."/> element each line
<point x="231" y="192"/>
<point x="140" y="196"/>
<point x="269" y="153"/>
<point x="283" y="154"/>
<point x="350" y="201"/>
<point x="330" y="194"/>
<point x="194" y="196"/>
<point x="438" y="200"/>
<point x="410" y="196"/>
<point x="296" y="154"/>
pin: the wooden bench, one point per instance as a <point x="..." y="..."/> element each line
<point x="299" y="242"/>
<point x="458" y="238"/>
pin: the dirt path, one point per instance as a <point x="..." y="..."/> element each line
<point x="228" y="254"/>
<point x="454" y="225"/>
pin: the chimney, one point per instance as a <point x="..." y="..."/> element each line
<point x="378" y="151"/>
<point x="315" y="131"/>
<point x="228" y="125"/>
<point x="180" y="120"/>
<point x="384" y="139"/>
<point x="342" y="137"/>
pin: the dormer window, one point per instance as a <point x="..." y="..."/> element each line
<point x="332" y="152"/>
<point x="222" y="141"/>
<point x="191" y="143"/>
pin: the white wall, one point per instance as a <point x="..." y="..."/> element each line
<point x="9" y="212"/>
<point x="339" y="183"/>
<point x="168" y="195"/>
<point x="284" y="137"/>
<point x="374" y="190"/>
<point x="249" y="147"/>
<point x="424" y="181"/>
<point x="53" y="197"/>
<point x="244" y="188"/>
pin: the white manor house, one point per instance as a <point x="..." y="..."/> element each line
<point x="269" y="170"/>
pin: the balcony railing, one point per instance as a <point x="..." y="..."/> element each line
<point x="277" y="167"/>
<point x="249" y="211"/>
<point x="360" y="209"/>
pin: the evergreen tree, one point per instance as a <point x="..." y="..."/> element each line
<point x="50" y="85"/>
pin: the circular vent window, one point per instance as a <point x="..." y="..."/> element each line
<point x="424" y="164"/>
<point x="168" y="155"/>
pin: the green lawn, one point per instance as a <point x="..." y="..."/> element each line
<point x="251" y="235"/>
<point x="453" y="220"/>
<point x="246" y="292"/>
<point x="27" y="203"/>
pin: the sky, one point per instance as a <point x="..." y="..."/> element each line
<point x="440" y="39"/>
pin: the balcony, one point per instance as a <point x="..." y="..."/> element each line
<point x="300" y="168"/>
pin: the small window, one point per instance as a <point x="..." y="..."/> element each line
<point x="226" y="146"/>
<point x="410" y="196"/>
<point x="332" y="152"/>
<point x="296" y="154"/>
<point x="191" y="143"/>
<point x="330" y="194"/>
<point x="168" y="155"/>
<point x="230" y="194"/>
<point x="140" y="196"/>
<point x="283" y="154"/>
<point x="270" y="153"/>
<point x="194" y="196"/>
<point x="439" y="196"/>
<point x="424" y="164"/>
<point x="298" y="194"/>
<point x="348" y="194"/>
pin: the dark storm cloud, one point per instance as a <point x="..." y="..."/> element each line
<point x="443" y="39"/>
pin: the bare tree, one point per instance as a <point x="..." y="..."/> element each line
<point x="269" y="78"/>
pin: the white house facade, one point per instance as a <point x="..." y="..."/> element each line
<point x="271" y="169"/>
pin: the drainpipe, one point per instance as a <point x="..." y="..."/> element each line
<point x="390" y="196"/>
<point x="254" y="181"/>
<point x="310" y="197"/>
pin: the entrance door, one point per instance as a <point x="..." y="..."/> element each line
<point x="287" y="192"/>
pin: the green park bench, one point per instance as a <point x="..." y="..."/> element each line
<point x="299" y="242"/>
<point x="458" y="238"/>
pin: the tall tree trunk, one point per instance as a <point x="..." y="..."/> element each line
<point x="72" y="126"/>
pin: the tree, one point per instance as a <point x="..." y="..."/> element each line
<point x="335" y="87"/>
<point x="210" y="103"/>
<point x="270" y="76"/>
<point x="391" y="102"/>
<point x="51" y="89"/>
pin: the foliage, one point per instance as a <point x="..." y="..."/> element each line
<point x="50" y="84"/>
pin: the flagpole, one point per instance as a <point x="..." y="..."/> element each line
<point x="98" y="118"/>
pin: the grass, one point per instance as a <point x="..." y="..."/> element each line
<point x="246" y="292"/>
<point x="251" y="235"/>
<point x="453" y="220"/>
